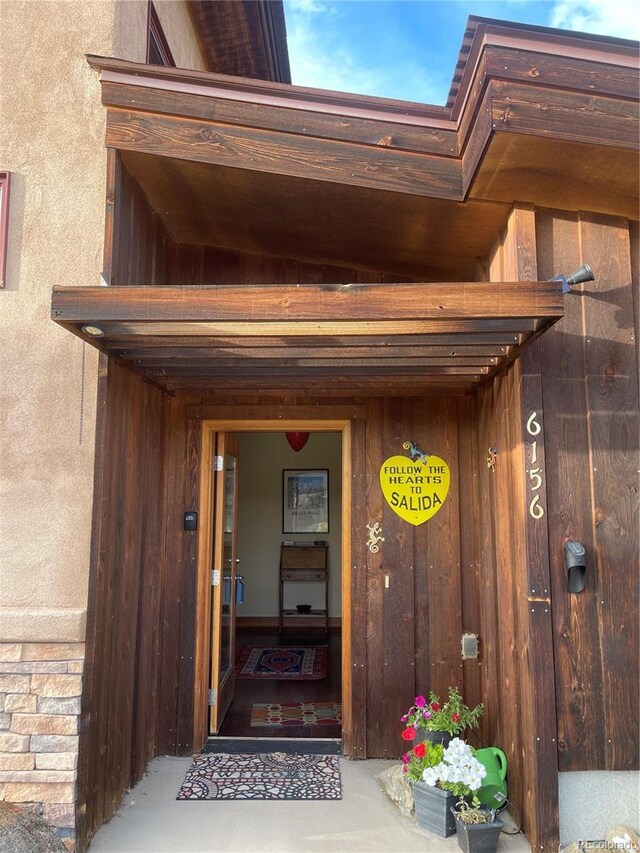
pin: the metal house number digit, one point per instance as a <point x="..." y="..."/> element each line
<point x="536" y="510"/>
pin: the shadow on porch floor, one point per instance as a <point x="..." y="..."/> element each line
<point x="151" y="820"/>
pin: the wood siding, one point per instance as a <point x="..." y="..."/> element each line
<point x="589" y="365"/>
<point x="580" y="382"/>
<point x="554" y="667"/>
<point x="140" y="251"/>
<point x="121" y="698"/>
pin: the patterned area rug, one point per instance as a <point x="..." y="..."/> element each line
<point x="296" y="714"/>
<point x="303" y="662"/>
<point x="274" y="776"/>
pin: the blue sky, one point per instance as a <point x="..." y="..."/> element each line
<point x="408" y="49"/>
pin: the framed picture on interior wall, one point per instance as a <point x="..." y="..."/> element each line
<point x="305" y="500"/>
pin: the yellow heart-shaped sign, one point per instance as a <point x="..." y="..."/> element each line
<point x="415" y="490"/>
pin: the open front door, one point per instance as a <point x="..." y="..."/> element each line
<point x="223" y="578"/>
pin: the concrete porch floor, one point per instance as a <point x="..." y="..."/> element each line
<point x="365" y="820"/>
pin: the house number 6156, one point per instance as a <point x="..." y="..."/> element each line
<point x="536" y="510"/>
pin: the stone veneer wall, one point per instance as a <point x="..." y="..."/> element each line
<point x="40" y="689"/>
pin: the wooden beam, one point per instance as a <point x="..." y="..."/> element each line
<point x="214" y="370"/>
<point x="266" y="354"/>
<point x="561" y="71"/>
<point x="451" y="303"/>
<point x="355" y="385"/>
<point x="387" y="133"/>
<point x="571" y="116"/>
<point x="284" y="153"/>
<point x="496" y="340"/>
<point x="247" y="365"/>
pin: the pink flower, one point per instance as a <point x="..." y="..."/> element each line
<point x="426" y="715"/>
<point x="403" y="718"/>
<point x="406" y="758"/>
<point x="420" y="701"/>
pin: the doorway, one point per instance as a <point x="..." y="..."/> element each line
<point x="286" y="703"/>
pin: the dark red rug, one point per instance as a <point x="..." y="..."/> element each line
<point x="289" y="662"/>
<point x="268" y="714"/>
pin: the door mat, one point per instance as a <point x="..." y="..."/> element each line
<point x="296" y="714"/>
<point x="303" y="662"/>
<point x="274" y="776"/>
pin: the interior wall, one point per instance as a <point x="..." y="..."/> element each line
<point x="263" y="457"/>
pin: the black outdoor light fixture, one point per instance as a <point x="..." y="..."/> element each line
<point x="583" y="273"/>
<point x="575" y="562"/>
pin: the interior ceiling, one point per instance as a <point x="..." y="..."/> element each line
<point x="318" y="221"/>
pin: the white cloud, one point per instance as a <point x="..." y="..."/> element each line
<point x="309" y="7"/>
<point x="327" y="46"/>
<point x="619" y="18"/>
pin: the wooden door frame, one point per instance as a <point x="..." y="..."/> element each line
<point x="209" y="427"/>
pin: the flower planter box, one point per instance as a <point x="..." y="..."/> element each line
<point x="433" y="809"/>
<point x="478" y="837"/>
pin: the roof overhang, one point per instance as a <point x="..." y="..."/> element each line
<point x="406" y="189"/>
<point x="393" y="338"/>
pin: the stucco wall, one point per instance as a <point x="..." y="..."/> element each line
<point x="52" y="140"/>
<point x="52" y="128"/>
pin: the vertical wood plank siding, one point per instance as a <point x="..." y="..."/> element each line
<point x="479" y="565"/>
<point x="139" y="250"/>
<point x="590" y="367"/>
<point x="120" y="690"/>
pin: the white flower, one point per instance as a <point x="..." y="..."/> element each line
<point x="458" y="765"/>
<point x="432" y="774"/>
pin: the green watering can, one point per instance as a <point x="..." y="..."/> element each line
<point x="495" y="763"/>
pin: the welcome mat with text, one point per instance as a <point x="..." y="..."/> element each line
<point x="303" y="662"/>
<point x="296" y="714"/>
<point x="274" y="776"/>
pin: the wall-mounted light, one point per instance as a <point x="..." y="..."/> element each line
<point x="93" y="331"/>
<point x="575" y="563"/>
<point x="583" y="273"/>
<point x="297" y="440"/>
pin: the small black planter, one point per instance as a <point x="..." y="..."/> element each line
<point x="478" y="837"/>
<point x="435" y="737"/>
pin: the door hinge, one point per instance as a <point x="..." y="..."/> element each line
<point x="213" y="697"/>
<point x="218" y="463"/>
<point x="215" y="577"/>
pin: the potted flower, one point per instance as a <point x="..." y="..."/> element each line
<point x="432" y="808"/>
<point x="431" y="719"/>
<point x="477" y="827"/>
<point x="456" y="776"/>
